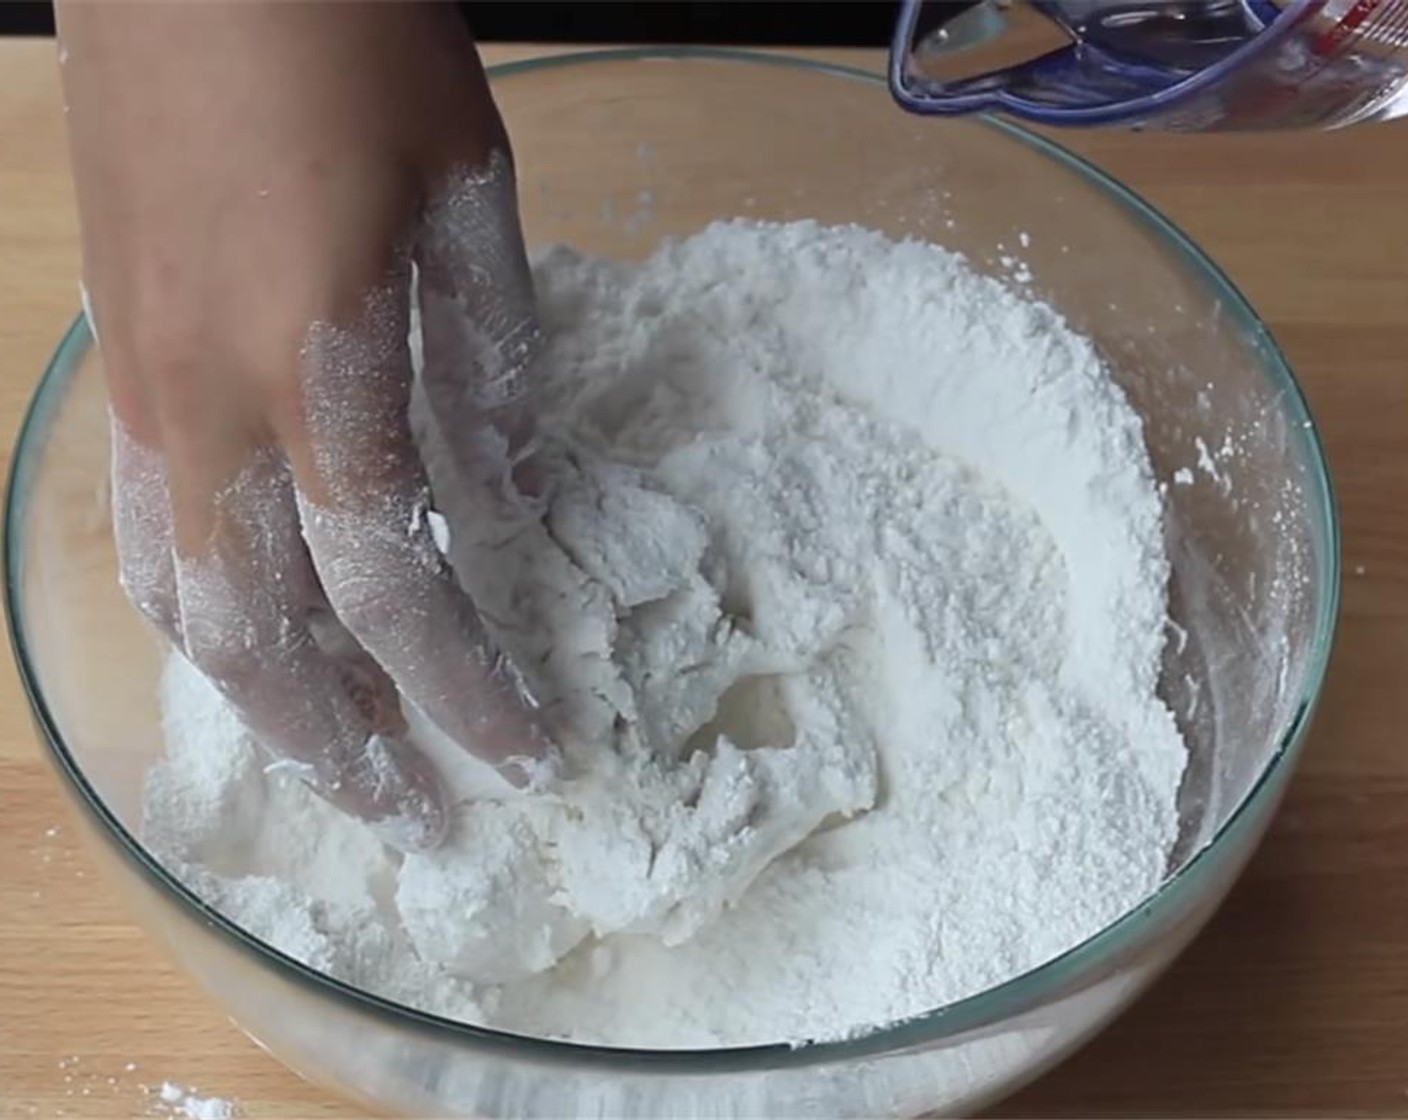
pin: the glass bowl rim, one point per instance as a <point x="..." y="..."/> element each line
<point x="970" y="1014"/>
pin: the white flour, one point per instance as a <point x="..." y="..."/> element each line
<point x="848" y="599"/>
<point x="177" y="1100"/>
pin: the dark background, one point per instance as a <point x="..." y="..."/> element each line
<point x="748" y="22"/>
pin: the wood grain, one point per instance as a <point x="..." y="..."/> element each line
<point x="1293" y="1003"/>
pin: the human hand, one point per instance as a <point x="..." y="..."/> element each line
<point x="255" y="183"/>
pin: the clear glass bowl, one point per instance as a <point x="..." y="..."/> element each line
<point x="616" y="150"/>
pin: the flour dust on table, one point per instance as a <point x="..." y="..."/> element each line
<point x="845" y="595"/>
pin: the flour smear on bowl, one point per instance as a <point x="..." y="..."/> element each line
<point x="848" y="595"/>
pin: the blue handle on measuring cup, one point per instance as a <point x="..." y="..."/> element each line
<point x="1082" y="83"/>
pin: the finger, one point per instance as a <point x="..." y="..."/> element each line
<point x="479" y="330"/>
<point x="255" y="622"/>
<point x="141" y="528"/>
<point x="141" y="501"/>
<point x="364" y="499"/>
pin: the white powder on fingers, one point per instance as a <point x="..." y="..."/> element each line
<point x="846" y="596"/>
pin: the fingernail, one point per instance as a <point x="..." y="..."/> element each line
<point x="533" y="775"/>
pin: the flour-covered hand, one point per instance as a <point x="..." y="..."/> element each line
<point x="260" y="188"/>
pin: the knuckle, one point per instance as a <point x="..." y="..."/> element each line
<point x="165" y="359"/>
<point x="369" y="605"/>
<point x="173" y="340"/>
<point x="152" y="596"/>
<point x="228" y="659"/>
<point x="375" y="573"/>
<point x="145" y="569"/>
<point x="237" y="644"/>
<point x="155" y="333"/>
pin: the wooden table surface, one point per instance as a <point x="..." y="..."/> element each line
<point x="1294" y="1002"/>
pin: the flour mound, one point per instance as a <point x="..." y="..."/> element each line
<point x="846" y="598"/>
